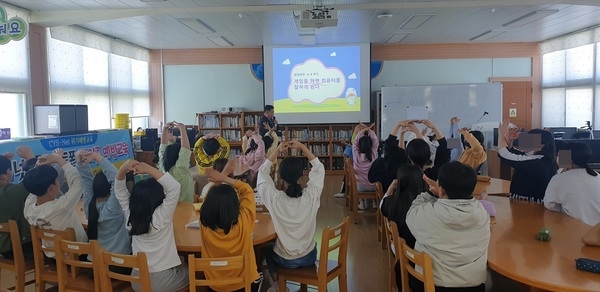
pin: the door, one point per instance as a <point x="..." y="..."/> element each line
<point x="516" y="102"/>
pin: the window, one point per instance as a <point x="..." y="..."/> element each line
<point x="570" y="81"/>
<point x="14" y="114"/>
<point x="15" y="82"/>
<point x="108" y="83"/>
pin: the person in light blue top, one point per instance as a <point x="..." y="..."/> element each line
<point x="106" y="222"/>
<point x="454" y="127"/>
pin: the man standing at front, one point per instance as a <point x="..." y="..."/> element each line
<point x="268" y="121"/>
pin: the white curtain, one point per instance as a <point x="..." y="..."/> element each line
<point x="570" y="80"/>
<point x="108" y="75"/>
<point x="15" y="81"/>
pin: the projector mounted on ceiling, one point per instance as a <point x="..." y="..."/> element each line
<point x="319" y="16"/>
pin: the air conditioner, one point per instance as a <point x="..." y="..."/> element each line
<point x="318" y="18"/>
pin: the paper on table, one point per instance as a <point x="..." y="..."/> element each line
<point x="417" y="113"/>
<point x="193" y="224"/>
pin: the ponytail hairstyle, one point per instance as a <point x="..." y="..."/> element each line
<point x="101" y="189"/>
<point x="220" y="164"/>
<point x="291" y="170"/>
<point x="171" y="156"/>
<point x="146" y="196"/>
<point x="252" y="147"/>
<point x="580" y="155"/>
<point x="365" y="145"/>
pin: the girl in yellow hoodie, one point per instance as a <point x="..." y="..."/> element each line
<point x="226" y="227"/>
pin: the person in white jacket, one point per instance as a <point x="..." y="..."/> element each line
<point x="294" y="211"/>
<point x="453" y="228"/>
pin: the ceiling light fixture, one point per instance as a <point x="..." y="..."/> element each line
<point x="385" y="15"/>
<point x="196" y="25"/>
<point x="221" y="41"/>
<point x="416" y="20"/>
<point x="397" y="37"/>
<point x="530" y="17"/>
<point x="488" y="35"/>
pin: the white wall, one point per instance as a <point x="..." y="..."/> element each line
<point x="451" y="71"/>
<point x="190" y="89"/>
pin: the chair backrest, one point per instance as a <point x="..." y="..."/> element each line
<point x="350" y="178"/>
<point x="379" y="191"/>
<point x="333" y="238"/>
<point x="12" y="229"/>
<point x="42" y="241"/>
<point x="220" y="264"/>
<point x="67" y="255"/>
<point x="392" y="248"/>
<point x="138" y="261"/>
<point x="421" y="259"/>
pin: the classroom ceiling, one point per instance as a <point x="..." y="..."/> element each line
<point x="157" y="24"/>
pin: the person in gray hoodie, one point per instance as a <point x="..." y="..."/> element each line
<point x="453" y="228"/>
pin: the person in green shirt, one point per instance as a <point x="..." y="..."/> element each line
<point x="13" y="198"/>
<point x="175" y="159"/>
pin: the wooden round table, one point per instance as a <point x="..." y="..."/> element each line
<point x="187" y="239"/>
<point x="515" y="252"/>
<point x="494" y="187"/>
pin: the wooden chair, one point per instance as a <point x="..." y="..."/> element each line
<point x="394" y="241"/>
<point x="380" y="223"/>
<point x="17" y="265"/>
<point x="333" y="238"/>
<point x="347" y="190"/>
<point x="421" y="259"/>
<point x="46" y="272"/>
<point x="67" y="257"/>
<point x="355" y="195"/>
<point x="107" y="259"/>
<point x="220" y="264"/>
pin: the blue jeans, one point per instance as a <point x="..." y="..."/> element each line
<point x="274" y="260"/>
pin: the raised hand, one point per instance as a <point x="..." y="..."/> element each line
<point x="434" y="188"/>
<point x="428" y="123"/>
<point x="295" y="144"/>
<point x="128" y="165"/>
<point x="9" y="155"/>
<point x="142" y="168"/>
<point x="454" y="120"/>
<point x="81" y="156"/>
<point x="58" y="152"/>
<point x="25" y="152"/>
<point x="215" y="176"/>
<point x="267" y="126"/>
<point x="49" y="159"/>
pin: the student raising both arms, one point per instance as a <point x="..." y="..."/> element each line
<point x="174" y="158"/>
<point x="294" y="211"/>
<point x="106" y="222"/>
<point x="227" y="221"/>
<point x="42" y="208"/>
<point x="149" y="211"/>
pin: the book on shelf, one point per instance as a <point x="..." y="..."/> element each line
<point x="252" y="120"/>
<point x="342" y="135"/>
<point x="209" y="121"/>
<point x="338" y="163"/>
<point x="231" y="122"/>
<point x="232" y="135"/>
<point x="234" y="152"/>
<point x="320" y="135"/>
<point x="320" y="149"/>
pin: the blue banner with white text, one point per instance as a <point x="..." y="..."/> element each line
<point x="114" y="145"/>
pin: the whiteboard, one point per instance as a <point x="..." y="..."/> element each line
<point x="468" y="102"/>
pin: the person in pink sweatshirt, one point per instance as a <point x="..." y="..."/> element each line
<point x="255" y="155"/>
<point x="364" y="152"/>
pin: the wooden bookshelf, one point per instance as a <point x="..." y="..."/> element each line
<point x="325" y="141"/>
<point x="230" y="126"/>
